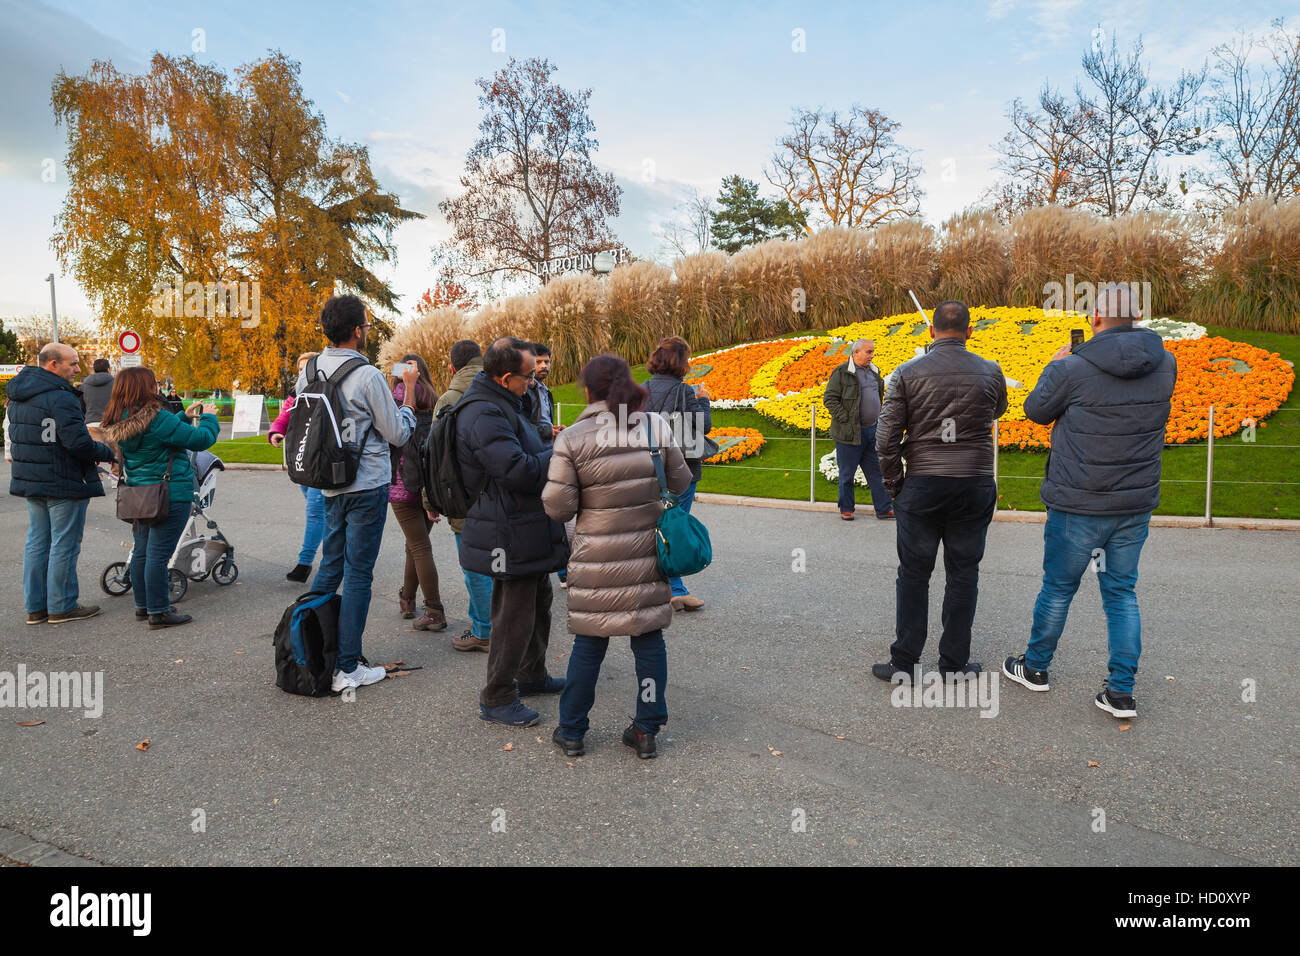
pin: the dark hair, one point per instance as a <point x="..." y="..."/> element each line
<point x="609" y="380"/>
<point x="463" y="352"/>
<point x="537" y="348"/>
<point x="672" y="357"/>
<point x="101" y="365"/>
<point x="340" y="316"/>
<point x="133" y="389"/>
<point x="951" y="316"/>
<point x="426" y="396"/>
<point x="505" y="356"/>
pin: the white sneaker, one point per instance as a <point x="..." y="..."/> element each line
<point x="360" y="677"/>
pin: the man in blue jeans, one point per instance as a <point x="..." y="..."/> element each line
<point x="355" y="514"/>
<point x="54" y="469"/>
<point x="1107" y="402"/>
<point x="853" y="396"/>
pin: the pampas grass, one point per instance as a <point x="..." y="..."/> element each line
<point x="1252" y="278"/>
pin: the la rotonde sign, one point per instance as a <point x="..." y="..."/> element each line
<point x="581" y="262"/>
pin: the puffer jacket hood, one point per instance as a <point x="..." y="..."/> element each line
<point x="153" y="439"/>
<point x="604" y="475"/>
<point x="53" y="454"/>
<point x="1124" y="355"/>
<point x="33" y="381"/>
<point x="134" y="425"/>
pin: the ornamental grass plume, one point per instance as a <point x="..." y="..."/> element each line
<point x="902" y="255"/>
<point x="768" y="290"/>
<point x="639" y="305"/>
<point x="833" y="264"/>
<point x="1155" y="247"/>
<point x="569" y="315"/>
<point x="430" y="335"/>
<point x="1047" y="244"/>
<point x="1252" y="277"/>
<point x="974" y="259"/>
<point x="703" y="307"/>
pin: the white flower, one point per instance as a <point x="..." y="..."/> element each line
<point x="1171" y="330"/>
<point x="831" y="470"/>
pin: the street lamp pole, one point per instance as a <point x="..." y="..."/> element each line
<point x="54" y="313"/>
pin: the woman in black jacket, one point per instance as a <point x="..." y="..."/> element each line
<point x="687" y="410"/>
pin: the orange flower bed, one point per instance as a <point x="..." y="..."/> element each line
<point x="735" y="444"/>
<point x="727" y="374"/>
<point x="812" y="368"/>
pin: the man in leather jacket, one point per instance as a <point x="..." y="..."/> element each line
<point x="938" y="418"/>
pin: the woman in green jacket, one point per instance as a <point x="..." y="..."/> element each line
<point x="150" y="440"/>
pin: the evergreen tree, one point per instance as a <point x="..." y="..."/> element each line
<point x="745" y="218"/>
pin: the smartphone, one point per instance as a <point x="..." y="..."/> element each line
<point x="399" y="369"/>
<point x="1076" y="338"/>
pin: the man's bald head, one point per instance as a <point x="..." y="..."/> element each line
<point x="1115" y="305"/>
<point x="60" y="359"/>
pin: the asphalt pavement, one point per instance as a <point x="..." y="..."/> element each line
<point x="781" y="748"/>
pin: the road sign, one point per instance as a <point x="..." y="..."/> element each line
<point x="130" y="360"/>
<point x="129" y="342"/>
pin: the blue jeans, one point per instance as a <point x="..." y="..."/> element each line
<point x="684" y="501"/>
<point x="314" y="530"/>
<point x="479" y="587"/>
<point x="354" y="528"/>
<point x="54" y="529"/>
<point x="849" y="458"/>
<point x="1069" y="544"/>
<point x="154" y="544"/>
<point x="584" y="667"/>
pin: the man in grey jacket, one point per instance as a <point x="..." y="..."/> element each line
<point x="96" y="389"/>
<point x="938" y="416"/>
<point x="1108" y="403"/>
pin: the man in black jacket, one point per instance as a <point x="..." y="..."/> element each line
<point x="938" y="416"/>
<point x="1108" y="403"/>
<point x="54" y="469"/>
<point x="507" y="534"/>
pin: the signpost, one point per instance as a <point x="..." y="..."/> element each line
<point x="129" y="343"/>
<point x="248" y="415"/>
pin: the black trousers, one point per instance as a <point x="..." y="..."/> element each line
<point x="956" y="511"/>
<point x="521" y="632"/>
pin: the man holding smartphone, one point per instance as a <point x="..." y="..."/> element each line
<point x="1107" y="400"/>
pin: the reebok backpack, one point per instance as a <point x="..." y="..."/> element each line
<point x="321" y="450"/>
<point x="410" y="457"/>
<point x="307" y="645"/>
<point x="443" y="481"/>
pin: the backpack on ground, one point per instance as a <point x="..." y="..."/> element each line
<point x="444" y="483"/>
<point x="307" y="645"/>
<point x="320" y="446"/>
<point x="410" y="457"/>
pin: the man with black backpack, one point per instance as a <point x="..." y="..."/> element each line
<point x="507" y="534"/>
<point x="340" y="428"/>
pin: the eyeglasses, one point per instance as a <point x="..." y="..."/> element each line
<point x="530" y="375"/>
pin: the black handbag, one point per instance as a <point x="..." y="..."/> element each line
<point x="147" y="504"/>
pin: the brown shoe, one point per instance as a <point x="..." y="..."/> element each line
<point x="468" y="642"/>
<point x="846" y="515"/>
<point x="887" y="516"/>
<point x="434" y="620"/>
<point x="77" y="613"/>
<point x="37" y="617"/>
<point x="406" y="604"/>
<point x="687" y="602"/>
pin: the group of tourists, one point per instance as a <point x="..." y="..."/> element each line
<point x="583" y="501"/>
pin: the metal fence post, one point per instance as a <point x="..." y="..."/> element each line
<point x="812" y="453"/>
<point x="1209" y="470"/>
<point x="995" y="453"/>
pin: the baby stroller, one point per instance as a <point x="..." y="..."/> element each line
<point x="197" y="554"/>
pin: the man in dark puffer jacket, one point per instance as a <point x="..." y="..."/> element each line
<point x="946" y="402"/>
<point x="1109" y="401"/>
<point x="54" y="469"/>
<point x="507" y="534"/>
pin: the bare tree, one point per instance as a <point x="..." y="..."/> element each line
<point x="1255" y="115"/>
<point x="1043" y="160"/>
<point x="532" y="191"/>
<point x="1130" y="126"/>
<point x="846" y="170"/>
<point x="688" y="232"/>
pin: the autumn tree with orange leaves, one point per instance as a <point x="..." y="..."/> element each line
<point x="185" y="178"/>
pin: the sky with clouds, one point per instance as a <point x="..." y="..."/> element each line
<point x="683" y="93"/>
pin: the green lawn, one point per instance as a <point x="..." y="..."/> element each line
<point x="1246" y="474"/>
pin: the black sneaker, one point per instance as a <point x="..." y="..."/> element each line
<point x="1117" y="705"/>
<point x="892" y="673"/>
<point x="1015" y="668"/>
<point x="972" y="669"/>
<point x="299" y="573"/>
<point x="640" y="741"/>
<point x="571" y="748"/>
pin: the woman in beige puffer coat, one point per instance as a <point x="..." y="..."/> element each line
<point x="602" y="471"/>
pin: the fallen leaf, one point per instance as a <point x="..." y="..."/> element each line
<point x="1052" y="752"/>
<point x="744" y="668"/>
<point x="275" y="800"/>
<point x="772" y="751"/>
<point x="1125" y="726"/>
<point x="1093" y="763"/>
<point x="1168" y="677"/>
<point x="539" y="740"/>
<point x="399" y="673"/>
<point x="143" y="745"/>
<point x="839" y="736"/>
<point x="508" y="746"/>
<point x="241" y="652"/>
<point x="1001" y="764"/>
<point x="568" y="763"/>
<point x="393" y="665"/>
<point x="181" y="661"/>
<point x="30" y="723"/>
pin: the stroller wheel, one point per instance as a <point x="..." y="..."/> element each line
<point x="177" y="585"/>
<point x="225" y="571"/>
<point x="116" y="579"/>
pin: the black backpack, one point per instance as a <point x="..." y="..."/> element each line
<point x="409" y="459"/>
<point x="318" y="453"/>
<point x="307" y="645"/>
<point x="443" y="481"/>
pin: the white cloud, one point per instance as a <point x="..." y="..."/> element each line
<point x="1055" y="18"/>
<point x="1000" y="8"/>
<point x="343" y="96"/>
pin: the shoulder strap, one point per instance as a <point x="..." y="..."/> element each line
<point x="311" y="370"/>
<point x="655" y="457"/>
<point x="346" y="369"/>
